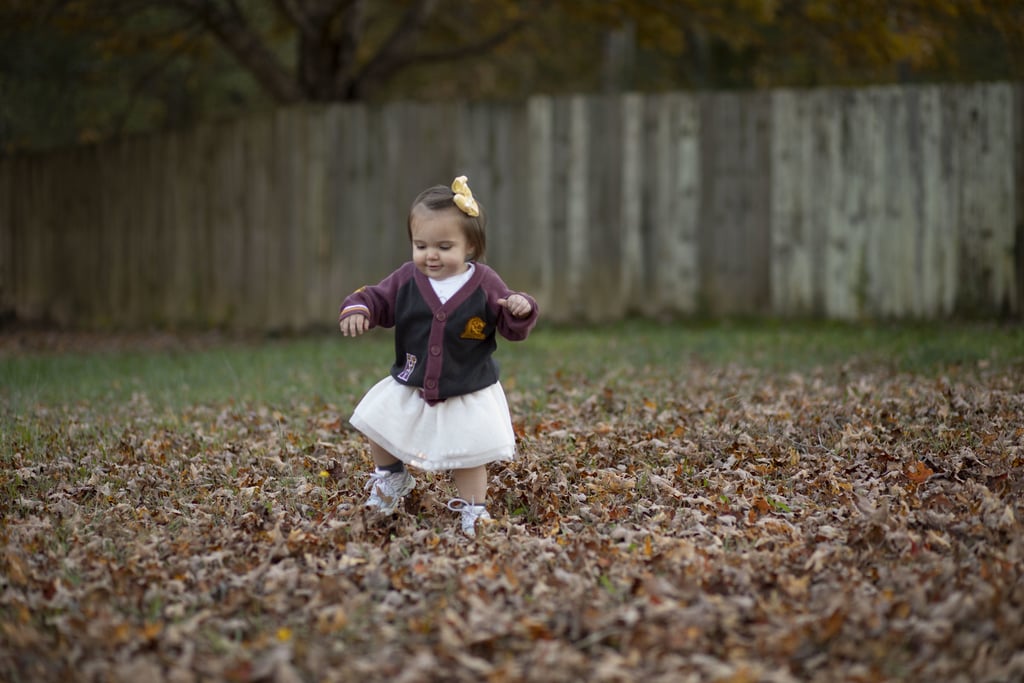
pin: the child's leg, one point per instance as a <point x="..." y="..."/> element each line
<point x="472" y="484"/>
<point x="381" y="458"/>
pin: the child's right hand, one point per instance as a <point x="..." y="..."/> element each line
<point x="354" y="325"/>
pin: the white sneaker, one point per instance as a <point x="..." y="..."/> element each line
<point x="470" y="514"/>
<point x="387" y="489"/>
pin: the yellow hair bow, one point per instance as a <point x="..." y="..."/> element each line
<point x="464" y="197"/>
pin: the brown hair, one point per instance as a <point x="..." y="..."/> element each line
<point x="441" y="198"/>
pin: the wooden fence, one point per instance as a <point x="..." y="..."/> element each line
<point x="892" y="202"/>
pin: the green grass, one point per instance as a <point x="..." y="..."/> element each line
<point x="333" y="369"/>
<point x="274" y="372"/>
<point x="761" y="346"/>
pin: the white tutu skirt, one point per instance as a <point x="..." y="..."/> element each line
<point x="457" y="433"/>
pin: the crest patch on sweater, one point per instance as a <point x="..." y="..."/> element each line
<point x="474" y="329"/>
<point x="410" y="365"/>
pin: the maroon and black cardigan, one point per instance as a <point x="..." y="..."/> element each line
<point x="444" y="349"/>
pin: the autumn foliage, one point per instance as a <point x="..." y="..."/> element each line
<point x="715" y="522"/>
<point x="96" y="69"/>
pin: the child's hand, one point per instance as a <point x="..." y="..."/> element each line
<point x="517" y="304"/>
<point x="354" y="325"/>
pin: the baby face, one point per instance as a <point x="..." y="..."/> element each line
<point x="439" y="247"/>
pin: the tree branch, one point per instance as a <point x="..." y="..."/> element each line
<point x="347" y="44"/>
<point x="193" y="30"/>
<point x="297" y="16"/>
<point x="384" y="66"/>
<point x="233" y="31"/>
<point x="406" y="29"/>
<point x="488" y="43"/>
<point x="310" y="15"/>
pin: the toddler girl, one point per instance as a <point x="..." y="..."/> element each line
<point x="442" y="407"/>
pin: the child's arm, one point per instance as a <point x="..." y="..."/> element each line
<point x="517" y="314"/>
<point x="373" y="305"/>
<point x="516" y="311"/>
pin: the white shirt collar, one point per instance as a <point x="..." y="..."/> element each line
<point x="446" y="288"/>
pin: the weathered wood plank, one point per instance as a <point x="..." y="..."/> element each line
<point x="556" y="241"/>
<point x="132" y="233"/>
<point x="194" y="197"/>
<point x="602" y="273"/>
<point x="933" y="172"/>
<point x="577" y="215"/>
<point x="332" y="209"/>
<point x="158" y="234"/>
<point x="91" y="271"/>
<point x="893" y="254"/>
<point x="282" y="229"/>
<point x="820" y="148"/>
<point x="317" y="305"/>
<point x="986" y="200"/>
<point x="8" y="242"/>
<point x="233" y="237"/>
<point x="351" y="233"/>
<point x="42" y="296"/>
<point x="734" y="202"/>
<point x="632" y="293"/>
<point x="539" y="188"/>
<point x="391" y="191"/>
<point x="180" y="309"/>
<point x="674" y="204"/>
<point x="510" y="247"/>
<point x="62" y="255"/>
<point x="792" y="285"/>
<point x="1018" y="207"/>
<point x="838" y="246"/>
<point x="106" y="172"/>
<point x="301" y="247"/>
<point x="861" y="208"/>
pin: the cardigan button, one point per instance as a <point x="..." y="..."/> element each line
<point x="435" y="350"/>
<point x="431" y="383"/>
<point x="441" y="316"/>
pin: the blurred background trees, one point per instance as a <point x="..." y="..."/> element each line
<point x="84" y="70"/>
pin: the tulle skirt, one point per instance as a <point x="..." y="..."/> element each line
<point x="460" y="432"/>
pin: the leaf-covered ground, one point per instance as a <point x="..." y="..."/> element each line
<point x="709" y="523"/>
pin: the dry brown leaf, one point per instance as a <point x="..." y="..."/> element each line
<point x="719" y="525"/>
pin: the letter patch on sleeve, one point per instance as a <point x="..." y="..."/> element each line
<point x="410" y="365"/>
<point x="474" y="329"/>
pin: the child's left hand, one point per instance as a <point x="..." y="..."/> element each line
<point x="517" y="304"/>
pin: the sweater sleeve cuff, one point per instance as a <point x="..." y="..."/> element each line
<point x="352" y="310"/>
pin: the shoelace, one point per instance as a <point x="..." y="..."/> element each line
<point x="459" y="504"/>
<point x="375" y="477"/>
